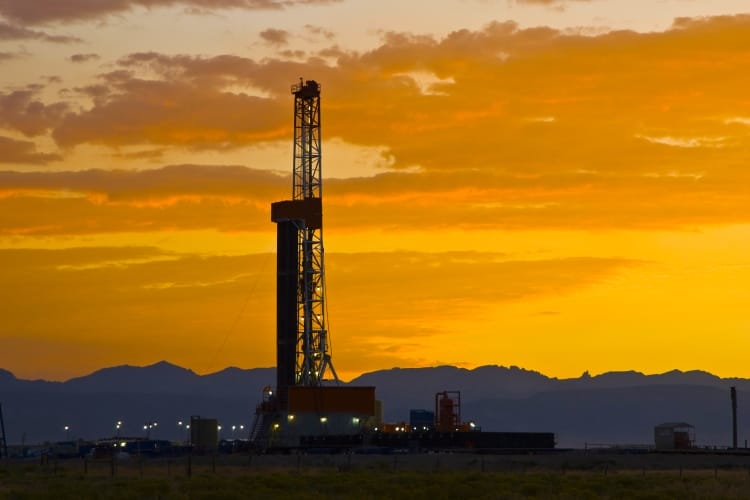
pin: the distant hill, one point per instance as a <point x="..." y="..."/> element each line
<point x="37" y="410"/>
<point x="615" y="407"/>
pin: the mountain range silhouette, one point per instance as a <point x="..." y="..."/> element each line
<point x="611" y="408"/>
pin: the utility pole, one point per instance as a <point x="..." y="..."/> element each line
<point x="733" y="395"/>
<point x="3" y="440"/>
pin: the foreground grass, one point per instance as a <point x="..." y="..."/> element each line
<point x="31" y="482"/>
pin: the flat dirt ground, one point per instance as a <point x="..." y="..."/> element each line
<point x="574" y="475"/>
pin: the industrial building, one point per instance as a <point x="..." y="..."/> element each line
<point x="674" y="436"/>
<point x="204" y="434"/>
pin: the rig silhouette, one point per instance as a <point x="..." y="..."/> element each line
<point x="306" y="410"/>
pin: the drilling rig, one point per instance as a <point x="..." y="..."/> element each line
<point x="301" y="406"/>
<point x="302" y="338"/>
<point x="305" y="410"/>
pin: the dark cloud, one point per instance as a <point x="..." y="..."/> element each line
<point x="275" y="36"/>
<point x="190" y="102"/>
<point x="293" y="54"/>
<point x="43" y="11"/>
<point x="80" y="58"/>
<point x="556" y="3"/>
<point x="21" y="110"/>
<point x="139" y="111"/>
<point x="333" y="51"/>
<point x="12" y="32"/>
<point x="187" y="105"/>
<point x="320" y="32"/>
<point x="23" y="152"/>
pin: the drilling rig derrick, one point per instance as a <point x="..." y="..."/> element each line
<point x="302" y="405"/>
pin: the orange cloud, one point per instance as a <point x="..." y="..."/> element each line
<point x="23" y="152"/>
<point x="491" y="89"/>
<point x="391" y="308"/>
<point x="497" y="128"/>
<point x="141" y="294"/>
<point x="101" y="201"/>
<point x="84" y="292"/>
<point x="22" y="110"/>
<point x="231" y="198"/>
<point x="139" y="185"/>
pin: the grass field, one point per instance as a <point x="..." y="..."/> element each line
<point x="431" y="477"/>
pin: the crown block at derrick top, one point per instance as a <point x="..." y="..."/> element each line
<point x="309" y="210"/>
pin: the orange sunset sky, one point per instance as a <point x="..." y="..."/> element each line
<point x="561" y="185"/>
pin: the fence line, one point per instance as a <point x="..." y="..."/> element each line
<point x="190" y="465"/>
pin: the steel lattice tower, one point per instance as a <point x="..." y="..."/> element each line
<point x="313" y="357"/>
<point x="300" y="268"/>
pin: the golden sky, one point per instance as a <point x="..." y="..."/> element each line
<point x="560" y="185"/>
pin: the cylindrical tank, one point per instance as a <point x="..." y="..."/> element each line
<point x="446" y="411"/>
